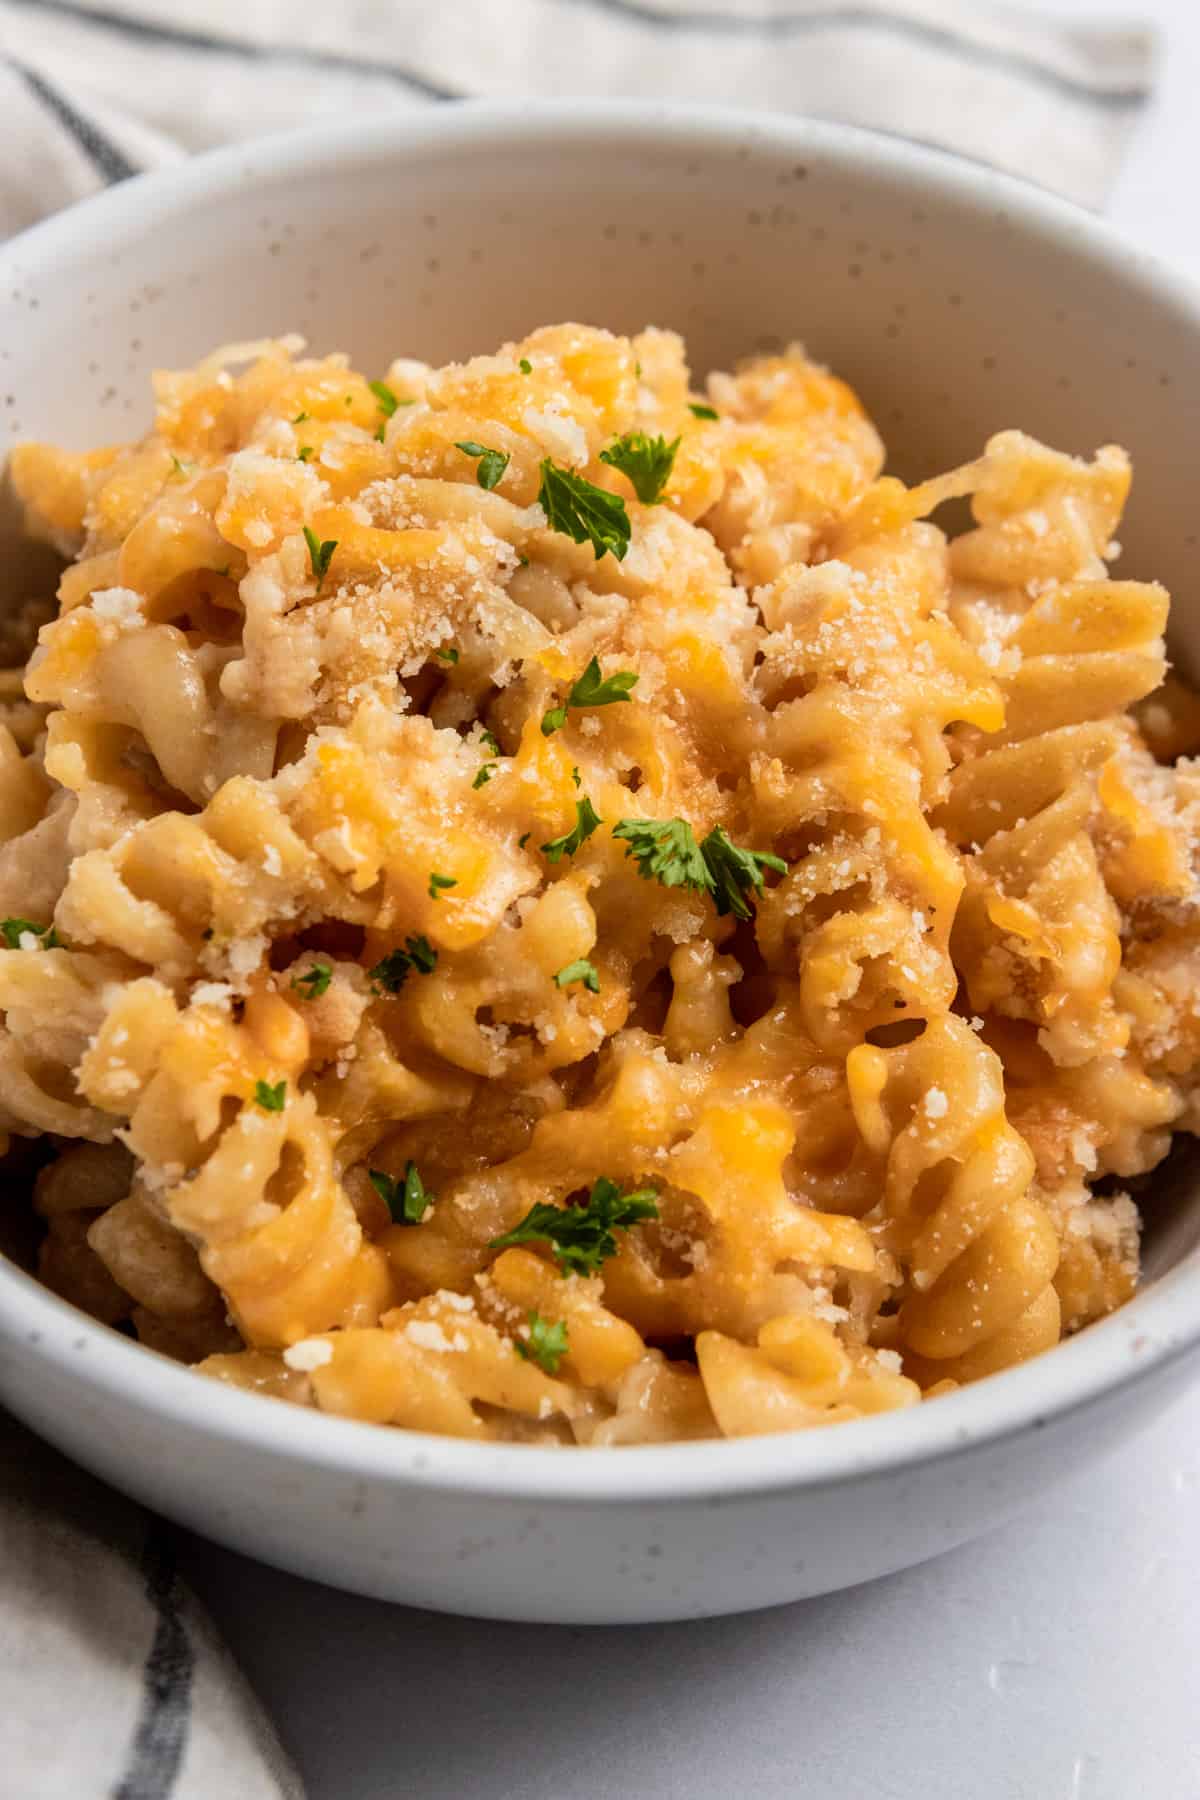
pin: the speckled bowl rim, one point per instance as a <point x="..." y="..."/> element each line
<point x="1156" y="1329"/>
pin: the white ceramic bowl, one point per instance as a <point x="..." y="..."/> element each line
<point x="957" y="302"/>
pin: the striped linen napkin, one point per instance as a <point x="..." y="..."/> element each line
<point x="116" y="1685"/>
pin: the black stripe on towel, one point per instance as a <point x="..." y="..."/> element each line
<point x="100" y="150"/>
<point x="178" y="37"/>
<point x="160" y="1737"/>
<point x="871" y="19"/>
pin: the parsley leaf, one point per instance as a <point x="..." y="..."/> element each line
<point x="582" y="1236"/>
<point x="546" y="1344"/>
<point x="666" y="851"/>
<point x="181" y="469"/>
<point x="314" y="981"/>
<point x="407" y="1200"/>
<point x="490" y="741"/>
<point x="591" y="689"/>
<point x="437" y="882"/>
<point x="447" y="656"/>
<point x="299" y="418"/>
<point x="583" y="971"/>
<point x="387" y="400"/>
<point x="271" y="1099"/>
<point x="523" y="839"/>
<point x="15" y="929"/>
<point x="583" y="511"/>
<point x="586" y="821"/>
<point x="646" y="461"/>
<point x="319" y="554"/>
<point x="577" y="778"/>
<point x="525" y="366"/>
<point x="736" y="872"/>
<point x="391" y="971"/>
<point x="304" y="452"/>
<point x="703" y="412"/>
<point x="492" y="463"/>
<point x="485" y="775"/>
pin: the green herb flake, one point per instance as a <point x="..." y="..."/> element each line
<point x="576" y="777"/>
<point x="591" y="689"/>
<point x="525" y="366"/>
<point x="319" y="554"/>
<point x="666" y="851"/>
<point x="581" y="1237"/>
<point x="183" y="470"/>
<point x="586" y="821"/>
<point x="300" y="418"/>
<point x="314" y="981"/>
<point x="492" y="463"/>
<point x="583" y="971"/>
<point x="490" y="742"/>
<point x="523" y="839"/>
<point x="391" y="971"/>
<point x="645" y="461"/>
<point x="387" y="400"/>
<point x="702" y="411"/>
<point x="447" y="656"/>
<point x="438" y="882"/>
<point x="15" y="929"/>
<point x="583" y="511"/>
<point x="304" y="452"/>
<point x="736" y="873"/>
<point x="407" y="1201"/>
<point x="484" y="775"/>
<point x="271" y="1099"/>
<point x="546" y="1344"/>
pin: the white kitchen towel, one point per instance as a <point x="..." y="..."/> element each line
<point x="96" y="89"/>
<point x="115" y="1684"/>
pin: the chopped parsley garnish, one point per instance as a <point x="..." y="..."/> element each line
<point x="490" y="741"/>
<point x="304" y="452"/>
<point x="591" y="689"/>
<point x="576" y="777"/>
<point x="492" y="463"/>
<point x="646" y="461"/>
<point x="447" y="656"/>
<point x="583" y="511"/>
<point x="319" y="554"/>
<point x="586" y="821"/>
<point x="299" y="418"/>
<point x="270" y="1098"/>
<point x="582" y="1236"/>
<point x="525" y="366"/>
<point x="381" y="432"/>
<point x="583" y="971"/>
<point x="666" y="851"/>
<point x="391" y="971"/>
<point x="314" y="982"/>
<point x="523" y="839"/>
<point x="701" y="411"/>
<point x="546" y="1344"/>
<point x="408" y="1201"/>
<point x="438" y="882"/>
<point x="485" y="775"/>
<point x="387" y="400"/>
<point x="181" y="469"/>
<point x="735" y="872"/>
<point x="15" y="929"/>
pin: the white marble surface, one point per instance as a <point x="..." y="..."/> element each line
<point x="1055" y="1660"/>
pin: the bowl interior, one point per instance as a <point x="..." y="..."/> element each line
<point x="956" y="301"/>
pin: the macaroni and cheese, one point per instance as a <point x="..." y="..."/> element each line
<point x="545" y="903"/>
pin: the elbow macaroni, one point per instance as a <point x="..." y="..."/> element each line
<point x="872" y="1112"/>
